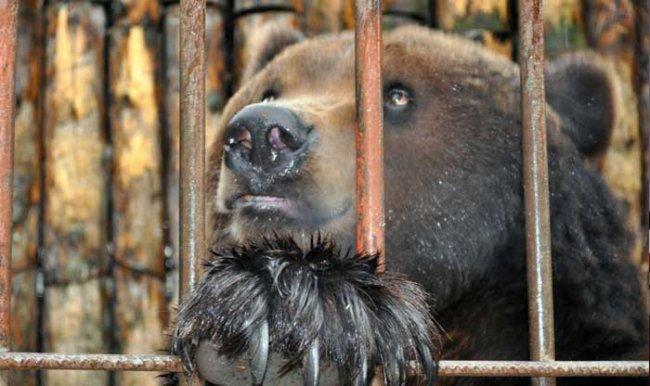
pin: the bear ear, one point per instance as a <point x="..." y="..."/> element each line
<point x="582" y="89"/>
<point x="271" y="39"/>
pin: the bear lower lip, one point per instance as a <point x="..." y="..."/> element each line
<point x="264" y="203"/>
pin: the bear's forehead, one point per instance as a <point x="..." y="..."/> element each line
<point x="429" y="51"/>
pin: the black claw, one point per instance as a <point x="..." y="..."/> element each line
<point x="310" y="365"/>
<point x="428" y="364"/>
<point x="259" y="353"/>
<point x="362" y="377"/>
<point x="392" y="373"/>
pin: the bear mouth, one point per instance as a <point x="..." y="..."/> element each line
<point x="274" y="211"/>
<point x="263" y="203"/>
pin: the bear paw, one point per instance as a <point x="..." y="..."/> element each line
<point x="275" y="305"/>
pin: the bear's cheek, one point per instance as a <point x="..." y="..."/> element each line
<point x="226" y="189"/>
<point x="332" y="163"/>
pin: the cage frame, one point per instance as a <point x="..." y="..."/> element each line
<point x="370" y="213"/>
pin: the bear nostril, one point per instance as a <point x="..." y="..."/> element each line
<point x="241" y="138"/>
<point x="263" y="140"/>
<point x="280" y="139"/>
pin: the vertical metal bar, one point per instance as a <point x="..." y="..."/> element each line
<point x="536" y="188"/>
<point x="369" y="138"/>
<point x="8" y="38"/>
<point x="192" y="141"/>
<point x="642" y="80"/>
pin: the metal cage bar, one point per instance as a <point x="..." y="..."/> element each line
<point x="8" y="42"/>
<point x="192" y="147"/>
<point x="536" y="186"/>
<point x="115" y="362"/>
<point x="192" y="141"/>
<point x="369" y="133"/>
<point x="370" y="225"/>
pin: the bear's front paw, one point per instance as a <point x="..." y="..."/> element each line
<point x="279" y="306"/>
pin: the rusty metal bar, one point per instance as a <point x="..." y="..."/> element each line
<point x="642" y="80"/>
<point x="8" y="39"/>
<point x="536" y="189"/>
<point x="369" y="135"/>
<point x="115" y="362"/>
<point x="369" y="138"/>
<point x="192" y="141"/>
<point x="543" y="369"/>
<point x="110" y="362"/>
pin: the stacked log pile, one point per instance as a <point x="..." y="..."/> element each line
<point x="75" y="196"/>
<point x="97" y="137"/>
<point x="27" y="175"/>
<point x="139" y="306"/>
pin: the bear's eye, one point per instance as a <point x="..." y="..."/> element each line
<point x="398" y="97"/>
<point x="269" y="95"/>
<point x="398" y="104"/>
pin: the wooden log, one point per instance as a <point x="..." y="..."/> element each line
<point x="24" y="314"/>
<point x="249" y="21"/>
<point x="216" y="74"/>
<point x="403" y="12"/>
<point x="133" y="111"/>
<point x="261" y="6"/>
<point x="142" y="318"/>
<point x="171" y="132"/>
<point x="74" y="325"/>
<point x="610" y="31"/>
<point x="75" y="217"/>
<point x="216" y="80"/>
<point x="138" y="202"/>
<point x="461" y="15"/>
<point x="485" y="21"/>
<point x="607" y="27"/>
<point x="323" y="16"/>
<point x="24" y="304"/>
<point x="564" y="27"/>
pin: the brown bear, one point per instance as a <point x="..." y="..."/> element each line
<point x="282" y="171"/>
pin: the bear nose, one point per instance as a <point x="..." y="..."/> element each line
<point x="263" y="139"/>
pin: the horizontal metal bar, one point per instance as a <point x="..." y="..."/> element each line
<point x="544" y="369"/>
<point x="29" y="361"/>
<point x="111" y="362"/>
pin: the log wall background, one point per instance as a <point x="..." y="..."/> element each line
<point x="96" y="179"/>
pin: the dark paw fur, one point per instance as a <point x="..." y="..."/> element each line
<point x="309" y="308"/>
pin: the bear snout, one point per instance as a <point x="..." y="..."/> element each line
<point x="264" y="142"/>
